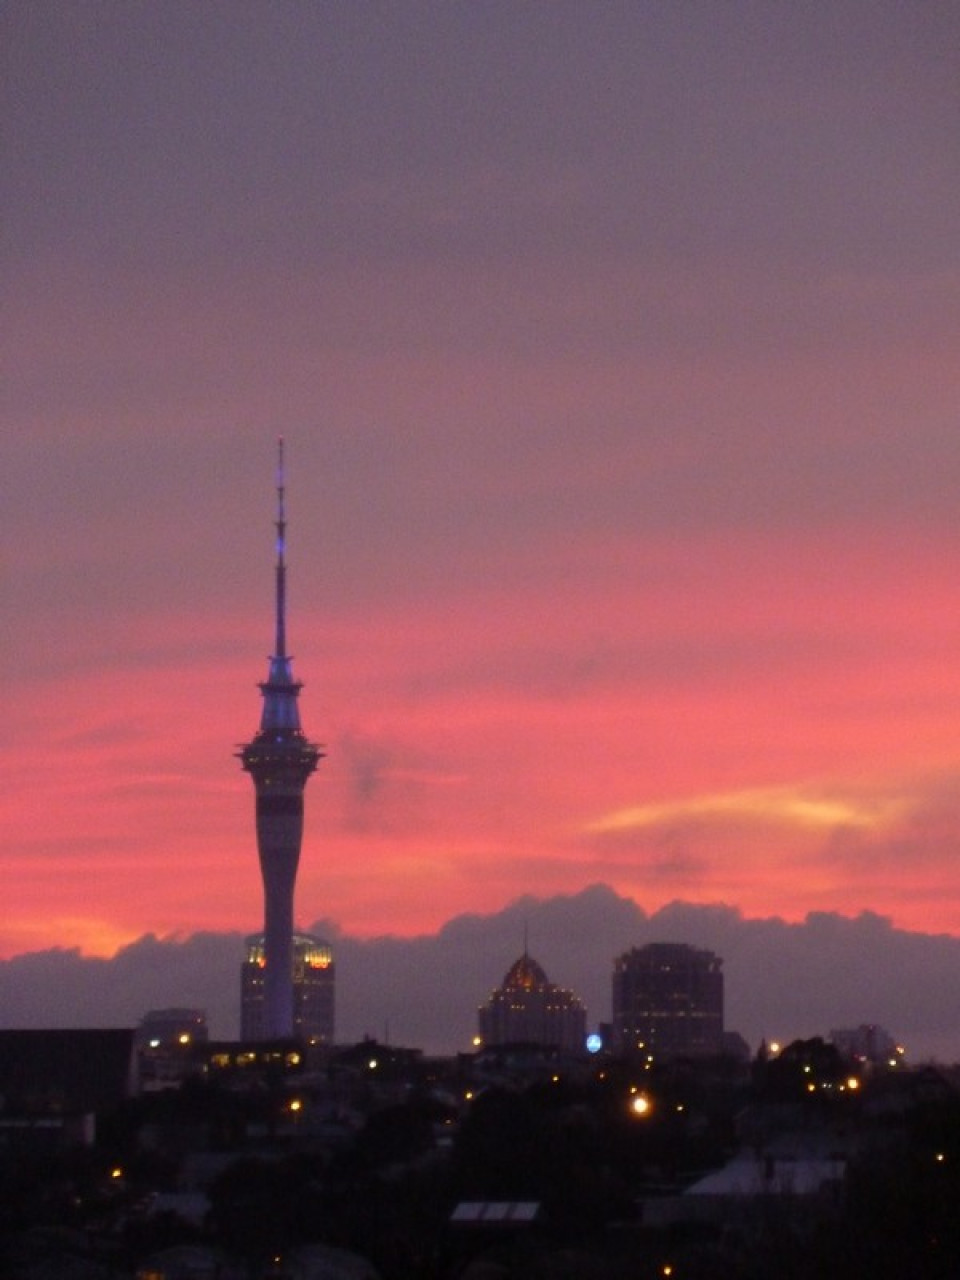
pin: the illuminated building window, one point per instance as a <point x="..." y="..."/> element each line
<point x="528" y="1008"/>
<point x="314" y="975"/>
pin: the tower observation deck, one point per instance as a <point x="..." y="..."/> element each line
<point x="279" y="759"/>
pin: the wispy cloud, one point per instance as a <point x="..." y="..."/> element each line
<point x="794" y="806"/>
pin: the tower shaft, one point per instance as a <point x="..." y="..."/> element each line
<point x="280" y="759"/>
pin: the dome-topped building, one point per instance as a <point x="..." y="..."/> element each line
<point x="525" y="975"/>
<point x="527" y="1008"/>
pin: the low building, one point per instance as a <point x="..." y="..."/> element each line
<point x="868" y="1044"/>
<point x="54" y="1084"/>
<point x="165" y="1045"/>
<point x="164" y="1028"/>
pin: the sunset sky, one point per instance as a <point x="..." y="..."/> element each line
<point x="616" y="347"/>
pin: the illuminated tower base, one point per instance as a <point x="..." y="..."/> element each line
<point x="314" y="982"/>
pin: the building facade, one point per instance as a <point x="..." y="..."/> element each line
<point x="668" y="1002"/>
<point x="279" y="759"/>
<point x="313" y="983"/>
<point x="529" y="1009"/>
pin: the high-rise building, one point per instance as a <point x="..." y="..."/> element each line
<point x="529" y="1009"/>
<point x="668" y="1002"/>
<point x="314" y="973"/>
<point x="280" y="759"/>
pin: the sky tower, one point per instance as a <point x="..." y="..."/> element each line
<point x="280" y="760"/>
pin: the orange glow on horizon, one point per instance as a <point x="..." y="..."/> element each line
<point x="473" y="757"/>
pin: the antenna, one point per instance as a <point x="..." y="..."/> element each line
<point x="281" y="522"/>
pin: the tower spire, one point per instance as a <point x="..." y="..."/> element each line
<point x="280" y="650"/>
<point x="280" y="690"/>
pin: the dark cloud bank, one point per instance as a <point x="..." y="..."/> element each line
<point x="782" y="980"/>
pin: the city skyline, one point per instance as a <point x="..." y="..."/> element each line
<point x="616" y="361"/>
<point x="783" y="981"/>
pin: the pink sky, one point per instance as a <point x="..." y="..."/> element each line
<point x="616" y="357"/>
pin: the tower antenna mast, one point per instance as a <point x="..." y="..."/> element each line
<point x="281" y="523"/>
